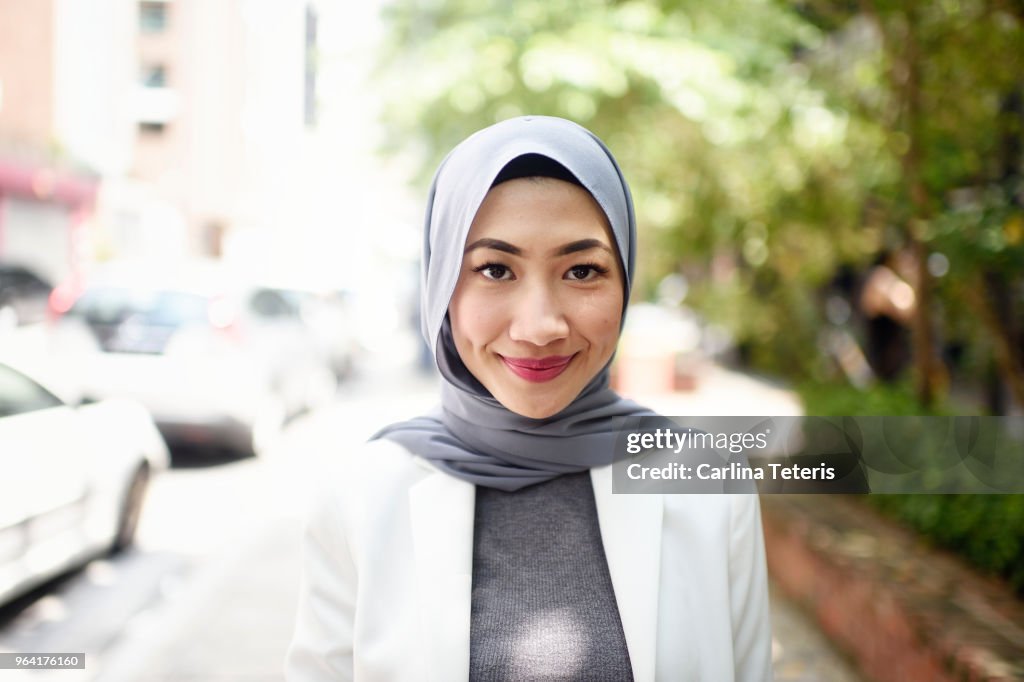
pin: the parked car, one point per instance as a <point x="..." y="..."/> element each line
<point x="217" y="363"/>
<point x="73" y="478"/>
<point x="23" y="296"/>
<point x="329" y="319"/>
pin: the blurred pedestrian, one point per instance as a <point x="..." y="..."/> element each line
<point x="483" y="541"/>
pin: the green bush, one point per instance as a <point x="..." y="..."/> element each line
<point x="986" y="530"/>
<point x="835" y="399"/>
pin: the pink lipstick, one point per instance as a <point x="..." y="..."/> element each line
<point x="538" y="369"/>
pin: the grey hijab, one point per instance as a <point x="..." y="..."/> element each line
<point x="471" y="435"/>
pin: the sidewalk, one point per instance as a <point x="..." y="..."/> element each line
<point x="800" y="651"/>
<point x="234" y="624"/>
<point x="906" y="611"/>
<point x="235" y="619"/>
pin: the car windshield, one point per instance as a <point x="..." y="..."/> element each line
<point x="155" y="308"/>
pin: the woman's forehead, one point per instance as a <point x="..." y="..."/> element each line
<point x="539" y="208"/>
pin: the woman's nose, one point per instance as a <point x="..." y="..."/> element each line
<point x="538" y="317"/>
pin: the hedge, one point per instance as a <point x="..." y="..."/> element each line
<point x="986" y="530"/>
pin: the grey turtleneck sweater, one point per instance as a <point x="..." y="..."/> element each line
<point x="543" y="607"/>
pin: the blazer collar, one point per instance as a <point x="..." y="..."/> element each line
<point x="442" y="508"/>
<point x="631" y="533"/>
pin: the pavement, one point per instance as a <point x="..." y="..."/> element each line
<point x="233" y="620"/>
<point x="903" y="609"/>
<point x="801" y="653"/>
<point x="233" y="624"/>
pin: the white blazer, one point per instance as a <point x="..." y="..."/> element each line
<point x="387" y="577"/>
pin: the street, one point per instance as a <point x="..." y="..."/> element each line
<point x="228" y="226"/>
<point x="209" y="591"/>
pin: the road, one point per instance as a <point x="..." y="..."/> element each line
<point x="209" y="591"/>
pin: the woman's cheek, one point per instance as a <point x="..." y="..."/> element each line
<point x="603" y="312"/>
<point x="476" y="317"/>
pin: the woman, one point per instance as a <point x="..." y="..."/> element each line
<point x="484" y="541"/>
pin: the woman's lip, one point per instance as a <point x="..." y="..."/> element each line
<point x="538" y="369"/>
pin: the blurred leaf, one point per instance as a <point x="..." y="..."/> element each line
<point x="764" y="141"/>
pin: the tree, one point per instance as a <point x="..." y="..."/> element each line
<point x="767" y="144"/>
<point x="940" y="84"/>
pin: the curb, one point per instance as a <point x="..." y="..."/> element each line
<point x="901" y="610"/>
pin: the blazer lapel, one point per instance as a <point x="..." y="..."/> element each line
<point x="441" y="511"/>
<point x="631" y="533"/>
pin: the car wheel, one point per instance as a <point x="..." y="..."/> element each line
<point x="131" y="510"/>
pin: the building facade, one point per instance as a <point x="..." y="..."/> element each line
<point x="147" y="128"/>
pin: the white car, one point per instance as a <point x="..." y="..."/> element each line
<point x="219" y="364"/>
<point x="72" y="479"/>
<point x="328" y="317"/>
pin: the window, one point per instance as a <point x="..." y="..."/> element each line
<point x="104" y="306"/>
<point x="154" y="76"/>
<point x="309" y="84"/>
<point x="268" y="303"/>
<point x="152" y="16"/>
<point x="19" y="394"/>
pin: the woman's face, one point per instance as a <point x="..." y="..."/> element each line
<point x="536" y="311"/>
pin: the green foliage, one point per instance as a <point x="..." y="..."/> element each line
<point x="986" y="530"/>
<point x="767" y="143"/>
<point x="729" y="149"/>
<point x="837" y="399"/>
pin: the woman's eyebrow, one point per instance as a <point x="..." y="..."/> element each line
<point x="582" y="245"/>
<point x="496" y="244"/>
<point x="565" y="250"/>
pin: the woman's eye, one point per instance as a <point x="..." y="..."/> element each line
<point x="584" y="272"/>
<point x="494" y="271"/>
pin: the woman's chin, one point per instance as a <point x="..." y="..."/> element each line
<point x="535" y="407"/>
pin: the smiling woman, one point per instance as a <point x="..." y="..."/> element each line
<point x="483" y="541"/>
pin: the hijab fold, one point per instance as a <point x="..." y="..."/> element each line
<point x="471" y="435"/>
